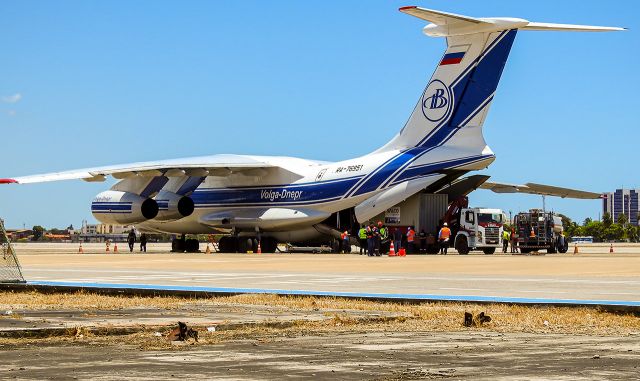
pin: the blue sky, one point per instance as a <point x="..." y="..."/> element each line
<point x="88" y="83"/>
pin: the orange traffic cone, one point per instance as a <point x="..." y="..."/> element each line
<point x="533" y="234"/>
<point x="392" y="251"/>
<point x="115" y="247"/>
<point x="575" y="249"/>
<point x="611" y="248"/>
<point x="80" y="250"/>
<point x="259" y="249"/>
<point x="208" y="251"/>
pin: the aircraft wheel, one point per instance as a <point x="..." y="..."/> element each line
<point x="227" y="245"/>
<point x="462" y="245"/>
<point x="177" y="246"/>
<point x="489" y="250"/>
<point x="192" y="245"/>
<point x="245" y="244"/>
<point x="269" y="245"/>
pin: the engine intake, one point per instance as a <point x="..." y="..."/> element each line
<point x="173" y="206"/>
<point x="116" y="207"/>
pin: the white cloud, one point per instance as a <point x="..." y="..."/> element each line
<point x="11" y="112"/>
<point x="15" y="98"/>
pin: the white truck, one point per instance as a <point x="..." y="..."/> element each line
<point x="479" y="229"/>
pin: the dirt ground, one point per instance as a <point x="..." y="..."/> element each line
<point x="267" y="337"/>
<point x="346" y="356"/>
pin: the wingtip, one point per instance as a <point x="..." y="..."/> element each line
<point x="407" y="8"/>
<point x="8" y="181"/>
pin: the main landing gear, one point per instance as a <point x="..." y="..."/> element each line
<point x="230" y="244"/>
<point x="181" y="245"/>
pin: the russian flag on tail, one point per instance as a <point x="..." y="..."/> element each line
<point x="452" y="58"/>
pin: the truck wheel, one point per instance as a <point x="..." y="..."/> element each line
<point x="564" y="248"/>
<point x="462" y="245"/>
<point x="552" y="248"/>
<point x="489" y="250"/>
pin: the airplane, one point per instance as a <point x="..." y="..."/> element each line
<point x="285" y="199"/>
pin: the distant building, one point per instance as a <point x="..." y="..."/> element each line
<point x="101" y="232"/>
<point x="622" y="201"/>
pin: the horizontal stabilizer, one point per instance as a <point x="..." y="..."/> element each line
<point x="540" y="189"/>
<point x="438" y="17"/>
<point x="444" y="24"/>
<point x="570" y="27"/>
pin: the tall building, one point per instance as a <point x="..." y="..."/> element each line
<point x="622" y="201"/>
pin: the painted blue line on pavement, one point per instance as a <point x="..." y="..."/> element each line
<point x="364" y="295"/>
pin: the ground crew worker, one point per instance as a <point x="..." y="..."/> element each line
<point x="411" y="235"/>
<point x="443" y="238"/>
<point x="423" y="241"/>
<point x="378" y="239"/>
<point x="362" y="236"/>
<point x="131" y="238"/>
<point x="384" y="238"/>
<point x="514" y="241"/>
<point x="346" y="245"/>
<point x="506" y="237"/>
<point x="143" y="243"/>
<point x="397" y="239"/>
<point x="371" y="240"/>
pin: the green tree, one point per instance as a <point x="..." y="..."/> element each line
<point x="622" y="219"/>
<point x="595" y="229"/>
<point x="632" y="233"/>
<point x="38" y="232"/>
<point x="587" y="221"/>
<point x="606" y="219"/>
<point x="614" y="232"/>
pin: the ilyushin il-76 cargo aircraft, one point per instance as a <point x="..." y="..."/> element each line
<point x="285" y="199"/>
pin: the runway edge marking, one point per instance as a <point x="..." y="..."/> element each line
<point x="48" y="286"/>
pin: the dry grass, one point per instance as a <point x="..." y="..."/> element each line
<point x="343" y="315"/>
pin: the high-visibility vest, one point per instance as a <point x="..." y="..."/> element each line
<point x="384" y="233"/>
<point x="411" y="235"/>
<point x="362" y="233"/>
<point x="505" y="235"/>
<point x="344" y="236"/>
<point x="445" y="233"/>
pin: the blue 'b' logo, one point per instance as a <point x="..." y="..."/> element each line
<point x="436" y="101"/>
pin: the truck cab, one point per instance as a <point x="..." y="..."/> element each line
<point x="480" y="229"/>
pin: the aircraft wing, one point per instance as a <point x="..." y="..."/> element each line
<point x="539" y="189"/>
<point x="197" y="166"/>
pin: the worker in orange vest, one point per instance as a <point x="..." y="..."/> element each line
<point x="443" y="238"/>
<point x="346" y="245"/>
<point x="411" y="236"/>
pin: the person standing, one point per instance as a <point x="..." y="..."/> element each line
<point x="143" y="243"/>
<point x="131" y="238"/>
<point x="423" y="241"/>
<point x="397" y="239"/>
<point x="411" y="236"/>
<point x="376" y="230"/>
<point x="443" y="238"/>
<point x="514" y="241"/>
<point x="506" y="237"/>
<point x="371" y="240"/>
<point x="346" y="245"/>
<point x="362" y="236"/>
<point x="384" y="238"/>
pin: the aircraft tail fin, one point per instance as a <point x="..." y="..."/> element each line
<point x="461" y="90"/>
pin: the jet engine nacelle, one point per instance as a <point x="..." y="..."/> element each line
<point x="116" y="207"/>
<point x="173" y="206"/>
